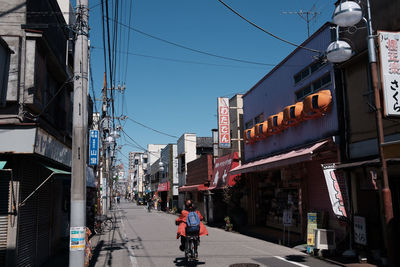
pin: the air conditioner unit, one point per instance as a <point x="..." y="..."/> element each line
<point x="324" y="239"/>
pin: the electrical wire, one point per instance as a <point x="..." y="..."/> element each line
<point x="129" y="35"/>
<point x="92" y="84"/>
<point x="154" y="130"/>
<point x="69" y="80"/>
<point x="267" y="32"/>
<point x="186" y="47"/>
<point x="197" y="62"/>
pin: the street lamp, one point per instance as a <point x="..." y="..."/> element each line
<point x="161" y="166"/>
<point x="348" y="14"/>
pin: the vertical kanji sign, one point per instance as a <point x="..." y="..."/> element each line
<point x="93" y="147"/>
<point x="390" y="71"/>
<point x="224" y="132"/>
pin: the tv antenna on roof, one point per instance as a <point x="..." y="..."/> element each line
<point x="307" y="16"/>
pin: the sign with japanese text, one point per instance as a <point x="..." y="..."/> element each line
<point x="93" y="147"/>
<point x="221" y="177"/>
<point x="360" y="231"/>
<point x="77" y="238"/>
<point x="224" y="132"/>
<point x="390" y="71"/>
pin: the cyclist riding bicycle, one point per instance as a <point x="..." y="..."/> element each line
<point x="182" y="220"/>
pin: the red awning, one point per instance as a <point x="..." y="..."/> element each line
<point x="197" y="187"/>
<point x="221" y="177"/>
<point x="292" y="157"/>
<point x="163" y="187"/>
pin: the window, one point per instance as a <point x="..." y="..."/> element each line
<point x="144" y="160"/>
<point x="136" y="162"/>
<point x="259" y="118"/>
<point x="307" y="71"/>
<point x="314" y="86"/>
<point x="249" y="124"/>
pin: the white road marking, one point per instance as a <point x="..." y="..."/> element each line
<point x="292" y="262"/>
<point x="131" y="254"/>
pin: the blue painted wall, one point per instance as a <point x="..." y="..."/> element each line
<point x="277" y="90"/>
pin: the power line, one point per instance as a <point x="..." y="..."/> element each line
<point x="129" y="35"/>
<point x="194" y="62"/>
<point x="186" y="47"/>
<point x="267" y="32"/>
<point x="154" y="130"/>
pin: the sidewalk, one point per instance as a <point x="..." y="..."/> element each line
<point x="276" y="236"/>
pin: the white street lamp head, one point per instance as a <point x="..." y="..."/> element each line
<point x="347" y="14"/>
<point x="161" y="166"/>
<point x="115" y="134"/>
<point x="110" y="140"/>
<point x="338" y="51"/>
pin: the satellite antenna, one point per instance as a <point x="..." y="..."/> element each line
<point x="307" y="16"/>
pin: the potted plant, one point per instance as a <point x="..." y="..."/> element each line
<point x="228" y="224"/>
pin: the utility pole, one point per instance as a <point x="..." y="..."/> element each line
<point x="307" y="16"/>
<point x="79" y="138"/>
<point x="104" y="166"/>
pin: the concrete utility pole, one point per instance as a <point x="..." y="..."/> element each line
<point x="79" y="138"/>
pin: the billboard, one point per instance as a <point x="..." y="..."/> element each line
<point x="390" y="71"/>
<point x="224" y="132"/>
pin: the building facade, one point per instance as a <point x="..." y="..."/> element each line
<point x="36" y="122"/>
<point x="291" y="122"/>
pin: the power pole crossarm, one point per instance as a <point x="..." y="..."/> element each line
<point x="307" y="16"/>
<point x="79" y="138"/>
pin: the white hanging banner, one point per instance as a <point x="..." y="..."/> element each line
<point x="337" y="189"/>
<point x="390" y="71"/>
<point x="224" y="131"/>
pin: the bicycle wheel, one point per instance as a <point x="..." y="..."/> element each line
<point x="98" y="228"/>
<point x="107" y="225"/>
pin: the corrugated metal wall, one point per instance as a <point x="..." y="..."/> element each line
<point x="4" y="196"/>
<point x="27" y="224"/>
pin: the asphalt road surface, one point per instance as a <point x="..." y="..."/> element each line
<point x="141" y="239"/>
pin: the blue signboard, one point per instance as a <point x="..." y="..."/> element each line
<point x="93" y="147"/>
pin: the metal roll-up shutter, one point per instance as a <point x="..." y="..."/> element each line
<point x="43" y="219"/>
<point x="27" y="221"/>
<point x="4" y="197"/>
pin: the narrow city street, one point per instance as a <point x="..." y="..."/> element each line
<point x="140" y="238"/>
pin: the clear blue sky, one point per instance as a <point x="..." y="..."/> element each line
<point x="177" y="97"/>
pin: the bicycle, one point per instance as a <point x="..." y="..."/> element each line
<point x="191" y="244"/>
<point x="103" y="224"/>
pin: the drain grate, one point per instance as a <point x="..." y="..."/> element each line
<point x="244" y="265"/>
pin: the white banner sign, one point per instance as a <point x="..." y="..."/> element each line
<point x="337" y="189"/>
<point x="224" y="132"/>
<point x="390" y="71"/>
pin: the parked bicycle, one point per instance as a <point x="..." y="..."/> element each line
<point x="103" y="224"/>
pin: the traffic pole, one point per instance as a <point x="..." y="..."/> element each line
<point x="79" y="138"/>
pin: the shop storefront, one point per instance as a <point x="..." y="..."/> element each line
<point x="221" y="179"/>
<point x="285" y="187"/>
<point x="163" y="200"/>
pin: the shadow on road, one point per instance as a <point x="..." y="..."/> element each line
<point x="296" y="258"/>
<point x="182" y="262"/>
<point x="96" y="253"/>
